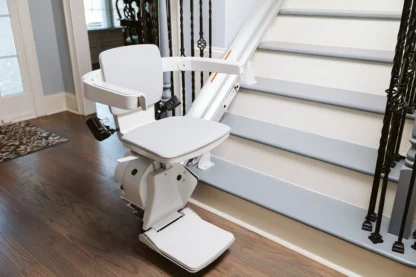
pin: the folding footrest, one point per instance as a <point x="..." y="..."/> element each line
<point x="190" y="241"/>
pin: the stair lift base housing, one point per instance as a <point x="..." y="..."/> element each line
<point x="171" y="229"/>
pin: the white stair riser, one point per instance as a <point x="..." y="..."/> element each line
<point x="342" y="32"/>
<point x="368" y="77"/>
<point x="333" y="181"/>
<point x="360" y="5"/>
<point x="340" y="123"/>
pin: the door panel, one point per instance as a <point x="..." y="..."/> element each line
<point x="16" y="102"/>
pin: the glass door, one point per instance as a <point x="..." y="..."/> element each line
<point x="15" y="102"/>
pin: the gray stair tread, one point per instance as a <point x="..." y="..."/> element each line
<point x="341" y="153"/>
<point x="327" y="214"/>
<point x="329" y="51"/>
<point x="332" y="96"/>
<point x="342" y="13"/>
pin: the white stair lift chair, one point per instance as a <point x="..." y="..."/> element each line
<point x="151" y="175"/>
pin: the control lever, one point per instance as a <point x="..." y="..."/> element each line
<point x="163" y="107"/>
<point x="99" y="129"/>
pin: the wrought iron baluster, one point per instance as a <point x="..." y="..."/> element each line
<point x="192" y="47"/>
<point x="398" y="107"/>
<point x="154" y="21"/>
<point x="408" y="75"/>
<point x="202" y="44"/>
<point x="411" y="106"/>
<point x="143" y="25"/>
<point x="169" y="19"/>
<point x="393" y="88"/>
<point x="210" y="28"/>
<point x="182" y="55"/>
<point x="398" y="101"/>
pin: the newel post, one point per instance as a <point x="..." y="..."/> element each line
<point x="402" y="190"/>
<point x="164" y="47"/>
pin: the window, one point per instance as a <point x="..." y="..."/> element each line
<point x="101" y="14"/>
<point x="10" y="79"/>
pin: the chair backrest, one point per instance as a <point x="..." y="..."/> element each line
<point x="136" y="67"/>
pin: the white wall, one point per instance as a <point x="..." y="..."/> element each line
<point x="49" y="30"/>
<point x="236" y="12"/>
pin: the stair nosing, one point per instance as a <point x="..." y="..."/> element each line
<point x="329" y="215"/>
<point x="361" y="101"/>
<point x="306" y="144"/>
<point x="342" y="13"/>
<point x="369" y="55"/>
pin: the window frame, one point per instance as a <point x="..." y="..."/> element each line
<point x="110" y="16"/>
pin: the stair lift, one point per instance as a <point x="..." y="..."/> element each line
<point x="154" y="179"/>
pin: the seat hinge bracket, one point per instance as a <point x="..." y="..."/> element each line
<point x="205" y="162"/>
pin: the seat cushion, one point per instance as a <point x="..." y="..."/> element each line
<point x="173" y="138"/>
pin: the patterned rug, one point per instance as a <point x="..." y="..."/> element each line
<point x="22" y="138"/>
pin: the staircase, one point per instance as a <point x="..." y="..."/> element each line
<point x="305" y="136"/>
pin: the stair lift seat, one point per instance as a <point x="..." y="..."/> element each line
<point x="176" y="139"/>
<point x="154" y="180"/>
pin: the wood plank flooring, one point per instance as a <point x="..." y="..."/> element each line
<point x="61" y="215"/>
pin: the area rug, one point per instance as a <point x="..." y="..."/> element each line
<point x="22" y="138"/>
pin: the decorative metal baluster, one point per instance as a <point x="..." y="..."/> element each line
<point x="169" y="19"/>
<point x="397" y="109"/>
<point x="411" y="108"/>
<point x="130" y="14"/>
<point x="192" y="48"/>
<point x="210" y="28"/>
<point x="398" y="101"/>
<point x="141" y="16"/>
<point x="154" y="21"/>
<point x="395" y="76"/>
<point x="202" y="44"/>
<point x="398" y="246"/>
<point x="182" y="55"/>
<point x="409" y="74"/>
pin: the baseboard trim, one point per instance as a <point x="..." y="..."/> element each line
<point x="71" y="103"/>
<point x="60" y="102"/>
<point x="325" y="249"/>
<point x="274" y="238"/>
<point x="55" y="103"/>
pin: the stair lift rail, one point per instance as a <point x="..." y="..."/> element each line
<point x="218" y="92"/>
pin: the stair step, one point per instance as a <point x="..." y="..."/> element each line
<point x="374" y="103"/>
<point x="350" y="5"/>
<point x="368" y="77"/>
<point x="335" y="31"/>
<point x="324" y="213"/>
<point x="341" y="153"/>
<point x="342" y="13"/>
<point x="329" y="51"/>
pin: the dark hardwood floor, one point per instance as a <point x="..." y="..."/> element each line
<point x="61" y="215"/>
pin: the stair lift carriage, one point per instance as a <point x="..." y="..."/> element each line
<point x="152" y="174"/>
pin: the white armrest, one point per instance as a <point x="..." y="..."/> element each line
<point x="201" y="64"/>
<point x="115" y="96"/>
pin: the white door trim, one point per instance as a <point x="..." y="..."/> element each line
<point x="26" y="49"/>
<point x="79" y="50"/>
